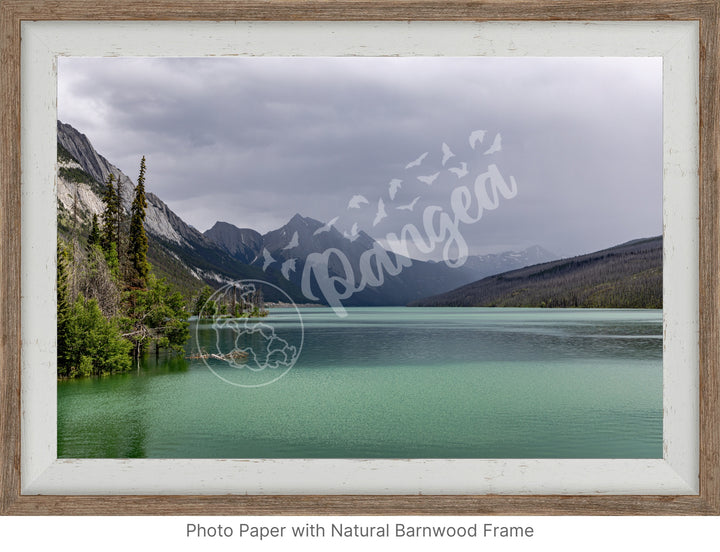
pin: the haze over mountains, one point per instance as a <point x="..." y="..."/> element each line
<point x="496" y="263"/>
<point x="225" y="253"/>
<point x="625" y="276"/>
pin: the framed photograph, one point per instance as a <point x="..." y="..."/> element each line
<point x="359" y="258"/>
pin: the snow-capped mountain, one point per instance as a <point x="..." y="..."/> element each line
<point x="497" y="263"/>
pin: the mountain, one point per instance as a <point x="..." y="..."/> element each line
<point x="288" y="247"/>
<point x="225" y="253"/>
<point x="496" y="263"/>
<point x="625" y="276"/>
<point x="244" y="244"/>
<point x="177" y="251"/>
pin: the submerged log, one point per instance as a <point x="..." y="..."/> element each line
<point x="235" y="354"/>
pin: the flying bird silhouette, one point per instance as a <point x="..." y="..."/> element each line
<point x="268" y="259"/>
<point x="475" y="137"/>
<point x="410" y="206"/>
<point x="395" y="184"/>
<point x="326" y="228"/>
<point x="353" y="234"/>
<point x="381" y="214"/>
<point x="356" y="201"/>
<point x="429" y="179"/>
<point x="460" y="171"/>
<point x="496" y="145"/>
<point x="447" y="154"/>
<point x="294" y="242"/>
<point x="417" y="161"/>
<point x="288" y="267"/>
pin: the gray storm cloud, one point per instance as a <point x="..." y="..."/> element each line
<point x="252" y="141"/>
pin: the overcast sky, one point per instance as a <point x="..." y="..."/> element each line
<point x="252" y="141"/>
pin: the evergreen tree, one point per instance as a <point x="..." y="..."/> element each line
<point x="119" y="223"/>
<point x="63" y="310"/>
<point x="202" y="305"/>
<point x="113" y="262"/>
<point x="110" y="216"/>
<point x="94" y="237"/>
<point x="88" y="342"/>
<point x="156" y="315"/>
<point x="138" y="245"/>
<point x="95" y="345"/>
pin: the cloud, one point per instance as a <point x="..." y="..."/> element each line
<point x="253" y="140"/>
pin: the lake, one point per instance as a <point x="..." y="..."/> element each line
<point x="389" y="382"/>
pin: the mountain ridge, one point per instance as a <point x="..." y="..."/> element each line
<point x="226" y="253"/>
<point x="628" y="275"/>
<point x="177" y="251"/>
<point x="289" y="246"/>
<point x="497" y="263"/>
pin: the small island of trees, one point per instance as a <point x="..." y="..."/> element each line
<point x="236" y="301"/>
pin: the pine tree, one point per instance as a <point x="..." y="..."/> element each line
<point x="138" y="246"/>
<point x="155" y="315"/>
<point x="94" y="237"/>
<point x="119" y="219"/>
<point x="63" y="311"/>
<point x="109" y="216"/>
<point x="203" y="305"/>
<point x="95" y="345"/>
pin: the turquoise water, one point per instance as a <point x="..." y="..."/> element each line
<point x="392" y="383"/>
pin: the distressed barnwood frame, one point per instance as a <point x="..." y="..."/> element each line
<point x="705" y="12"/>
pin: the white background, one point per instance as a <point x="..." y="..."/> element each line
<point x="586" y="534"/>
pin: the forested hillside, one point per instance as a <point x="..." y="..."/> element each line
<point x="111" y="307"/>
<point x="625" y="276"/>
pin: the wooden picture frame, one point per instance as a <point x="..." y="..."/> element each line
<point x="13" y="12"/>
